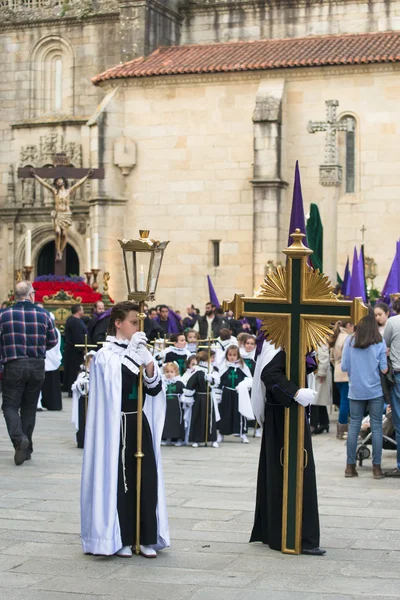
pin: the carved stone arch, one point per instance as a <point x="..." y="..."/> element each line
<point x="343" y="159"/>
<point x="52" y="61"/>
<point x="43" y="234"/>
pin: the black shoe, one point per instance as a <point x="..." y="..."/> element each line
<point x="321" y="429"/>
<point x="20" y="452"/>
<point x="314" y="551"/>
<point x="28" y="455"/>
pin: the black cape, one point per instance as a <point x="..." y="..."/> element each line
<point x="268" y="514"/>
<point x="51" y="391"/>
<point x="197" y="432"/>
<point x="74" y="333"/>
<point x="174" y="427"/>
<point x="97" y="329"/>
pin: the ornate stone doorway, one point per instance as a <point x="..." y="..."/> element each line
<point x="45" y="261"/>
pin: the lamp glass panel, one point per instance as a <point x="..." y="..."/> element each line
<point x="142" y="270"/>
<point x="155" y="271"/>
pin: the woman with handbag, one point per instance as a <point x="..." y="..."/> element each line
<point x="364" y="358"/>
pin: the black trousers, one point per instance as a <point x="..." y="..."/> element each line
<point x="22" y="381"/>
<point x="319" y="416"/>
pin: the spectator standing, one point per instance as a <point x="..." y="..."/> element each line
<point x="364" y="358"/>
<point x="340" y="333"/>
<point x="191" y="321"/>
<point x="74" y="334"/>
<point x="392" y="339"/>
<point x="98" y="324"/>
<point x="26" y="332"/>
<point x="168" y="320"/>
<point x="319" y="421"/>
<point x="210" y="324"/>
<point x="382" y="314"/>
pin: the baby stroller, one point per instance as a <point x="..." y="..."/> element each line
<point x="365" y="439"/>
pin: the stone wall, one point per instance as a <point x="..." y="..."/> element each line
<point x="192" y="184"/>
<point x="195" y="154"/>
<point x="228" y="20"/>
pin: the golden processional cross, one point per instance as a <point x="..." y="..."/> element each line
<point x="297" y="306"/>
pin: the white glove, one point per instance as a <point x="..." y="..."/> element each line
<point x="209" y="377"/>
<point x="139" y="338"/>
<point x="305" y="396"/>
<point x="144" y="354"/>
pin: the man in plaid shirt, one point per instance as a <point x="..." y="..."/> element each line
<point x="26" y="332"/>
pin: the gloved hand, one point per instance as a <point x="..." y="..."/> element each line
<point x="138" y="338"/>
<point x="305" y="396"/>
<point x="144" y="354"/>
<point x="209" y="377"/>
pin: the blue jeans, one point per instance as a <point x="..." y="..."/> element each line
<point x="357" y="410"/>
<point x="395" y="396"/>
<point x="344" y="408"/>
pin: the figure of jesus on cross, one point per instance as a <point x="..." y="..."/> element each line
<point x="62" y="193"/>
<point x="62" y="215"/>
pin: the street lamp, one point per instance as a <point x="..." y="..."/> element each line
<point x="142" y="264"/>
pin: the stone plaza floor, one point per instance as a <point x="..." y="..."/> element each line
<point x="211" y="494"/>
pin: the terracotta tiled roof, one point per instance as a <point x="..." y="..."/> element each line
<point x="262" y="55"/>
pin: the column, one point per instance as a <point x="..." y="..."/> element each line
<point x="267" y="181"/>
<point x="330" y="177"/>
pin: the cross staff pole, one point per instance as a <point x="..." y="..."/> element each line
<point x="86" y="346"/>
<point x="297" y="306"/>
<point x="208" y="347"/>
<point x="139" y="454"/>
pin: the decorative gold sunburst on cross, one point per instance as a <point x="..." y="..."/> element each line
<point x="297" y="307"/>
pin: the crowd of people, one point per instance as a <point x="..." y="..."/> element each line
<point x="207" y="363"/>
<point x="201" y="384"/>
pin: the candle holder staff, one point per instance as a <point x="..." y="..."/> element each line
<point x="122" y="499"/>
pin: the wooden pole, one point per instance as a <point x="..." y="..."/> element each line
<point x="139" y="454"/>
<point x="208" y="391"/>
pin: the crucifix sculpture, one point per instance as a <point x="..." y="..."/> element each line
<point x="62" y="193"/>
<point x="297" y="306"/>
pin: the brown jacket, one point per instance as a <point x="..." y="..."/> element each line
<point x="339" y="376"/>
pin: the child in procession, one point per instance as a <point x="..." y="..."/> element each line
<point x="192" y="339"/>
<point x="174" y="426"/>
<point x="200" y="401"/>
<point x="235" y="407"/>
<point x="191" y="365"/>
<point x="108" y="485"/>
<point x="177" y="353"/>
<point x="248" y="352"/>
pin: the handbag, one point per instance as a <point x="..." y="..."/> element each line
<point x="390" y="374"/>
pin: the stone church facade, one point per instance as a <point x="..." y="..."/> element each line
<point x="199" y="141"/>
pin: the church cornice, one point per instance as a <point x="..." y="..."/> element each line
<point x="205" y="6"/>
<point x="50" y="122"/>
<point x="59" y="21"/>
<point x="287" y="74"/>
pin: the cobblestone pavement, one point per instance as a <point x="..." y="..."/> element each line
<point x="211" y="495"/>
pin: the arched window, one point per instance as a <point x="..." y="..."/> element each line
<point x="348" y="153"/>
<point x="52" y="77"/>
<point x="56" y="84"/>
